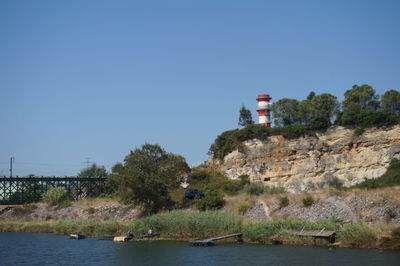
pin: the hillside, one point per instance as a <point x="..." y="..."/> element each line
<point x="312" y="161"/>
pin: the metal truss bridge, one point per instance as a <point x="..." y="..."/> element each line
<point x="20" y="190"/>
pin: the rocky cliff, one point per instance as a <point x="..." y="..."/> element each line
<point x="311" y="162"/>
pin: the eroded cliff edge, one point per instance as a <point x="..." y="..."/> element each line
<point x="311" y="162"/>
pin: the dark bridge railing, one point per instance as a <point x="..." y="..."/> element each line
<point x="19" y="190"/>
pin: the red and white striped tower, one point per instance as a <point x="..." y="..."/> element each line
<point x="264" y="109"/>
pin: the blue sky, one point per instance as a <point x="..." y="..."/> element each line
<point x="98" y="78"/>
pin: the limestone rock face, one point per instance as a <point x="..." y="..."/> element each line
<point x="310" y="162"/>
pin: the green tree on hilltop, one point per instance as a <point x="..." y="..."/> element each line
<point x="285" y="112"/>
<point x="391" y="101"/>
<point x="324" y="106"/>
<point x="147" y="176"/>
<point x="93" y="171"/>
<point x="245" y="117"/>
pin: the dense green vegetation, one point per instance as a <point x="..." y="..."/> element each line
<point x="245" y="117"/>
<point x="361" y="109"/>
<point x="55" y="195"/>
<point x="147" y="176"/>
<point x="184" y="225"/>
<point x="93" y="171"/>
<point x="388" y="179"/>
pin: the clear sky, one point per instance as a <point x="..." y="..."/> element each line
<point x="98" y="78"/>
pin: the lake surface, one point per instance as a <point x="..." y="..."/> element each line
<point x="49" y="249"/>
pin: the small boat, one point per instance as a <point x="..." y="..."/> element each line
<point x="76" y="236"/>
<point x="122" y="238"/>
<point x="106" y="237"/>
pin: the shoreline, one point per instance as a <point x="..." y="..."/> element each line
<point x="187" y="226"/>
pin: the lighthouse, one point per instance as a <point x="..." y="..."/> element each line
<point x="264" y="109"/>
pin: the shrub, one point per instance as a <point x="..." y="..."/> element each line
<point x="359" y="131"/>
<point x="213" y="200"/>
<point x="318" y="124"/>
<point x="216" y="181"/>
<point x="390" y="178"/>
<point x="336" y="183"/>
<point x="91" y="210"/>
<point x="357" y="235"/>
<point x="55" y="195"/>
<point x="308" y="201"/>
<point x="243" y="207"/>
<point x="274" y="190"/>
<point x="254" y="189"/>
<point x="283" y="202"/>
<point x="63" y="205"/>
<point x="244" y="180"/>
<point x="390" y="213"/>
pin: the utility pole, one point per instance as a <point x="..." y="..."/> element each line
<point x="87" y="162"/>
<point x="12" y="159"/>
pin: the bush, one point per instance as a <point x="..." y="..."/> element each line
<point x="357" y="235"/>
<point x="283" y="202"/>
<point x="390" y="213"/>
<point x="216" y="181"/>
<point x="359" y="131"/>
<point x="55" y="195"/>
<point x="336" y="183"/>
<point x="308" y="201"/>
<point x="274" y="190"/>
<point x="243" y="207"/>
<point x="91" y="210"/>
<point x="213" y="200"/>
<point x="254" y="189"/>
<point x="388" y="179"/>
<point x="63" y="205"/>
<point x="244" y="180"/>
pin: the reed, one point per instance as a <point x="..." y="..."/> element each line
<point x="262" y="232"/>
<point x="189" y="225"/>
<point x="358" y="235"/>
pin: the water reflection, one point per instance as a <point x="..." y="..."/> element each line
<point x="47" y="249"/>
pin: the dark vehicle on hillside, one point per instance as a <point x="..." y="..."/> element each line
<point x="193" y="193"/>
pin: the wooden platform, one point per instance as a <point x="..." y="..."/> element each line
<point x="328" y="235"/>
<point x="210" y="241"/>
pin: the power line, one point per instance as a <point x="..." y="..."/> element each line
<point x="87" y="162"/>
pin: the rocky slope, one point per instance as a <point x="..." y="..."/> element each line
<point x="103" y="211"/>
<point x="311" y="162"/>
<point x="367" y="206"/>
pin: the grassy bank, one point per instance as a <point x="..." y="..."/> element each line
<point x="185" y="225"/>
<point x="86" y="227"/>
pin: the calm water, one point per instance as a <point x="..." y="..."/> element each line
<point x="48" y="249"/>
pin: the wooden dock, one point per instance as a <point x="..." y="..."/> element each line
<point x="210" y="241"/>
<point x="327" y="235"/>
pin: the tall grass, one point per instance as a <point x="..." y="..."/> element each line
<point x="262" y="231"/>
<point x="86" y="227"/>
<point x="185" y="225"/>
<point x="32" y="227"/>
<point x="357" y="235"/>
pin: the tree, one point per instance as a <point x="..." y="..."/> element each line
<point x="359" y="100"/>
<point x="93" y="171"/>
<point x="360" y="97"/>
<point x="147" y="176"/>
<point x="324" y="106"/>
<point x="285" y="112"/>
<point x="391" y="101"/>
<point x="245" y="117"/>
<point x="305" y="111"/>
